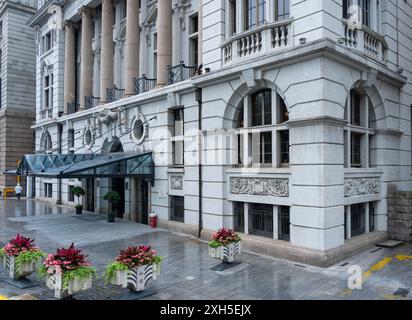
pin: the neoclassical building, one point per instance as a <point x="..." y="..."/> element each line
<point x="286" y="120"/>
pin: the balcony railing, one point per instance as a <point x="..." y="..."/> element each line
<point x="180" y="72"/>
<point x="114" y="93"/>
<point x="91" y="102"/>
<point x="143" y="84"/>
<point x="263" y="39"/>
<point x="368" y="41"/>
<point x="72" y="107"/>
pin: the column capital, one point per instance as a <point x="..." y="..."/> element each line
<point x="86" y="11"/>
<point x="69" y="25"/>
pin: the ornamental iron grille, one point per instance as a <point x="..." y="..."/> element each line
<point x="180" y="72"/>
<point x="177" y="209"/>
<point x="261" y="220"/>
<point x="284" y="223"/>
<point x="114" y="94"/>
<point x="91" y="102"/>
<point x="239" y="216"/>
<point x="143" y="84"/>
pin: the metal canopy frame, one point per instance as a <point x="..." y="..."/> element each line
<point x="67" y="166"/>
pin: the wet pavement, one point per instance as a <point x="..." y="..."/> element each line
<point x="185" y="271"/>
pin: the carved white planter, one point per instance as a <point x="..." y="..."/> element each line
<point x="225" y="253"/>
<point x="55" y="281"/>
<point x="27" y="268"/>
<point x="136" y="279"/>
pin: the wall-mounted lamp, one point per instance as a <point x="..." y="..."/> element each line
<point x="302" y="40"/>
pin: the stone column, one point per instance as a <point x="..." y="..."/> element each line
<point x="69" y="65"/>
<point x="132" y="44"/>
<point x="86" y="66"/>
<point x="164" y="40"/>
<point x="106" y="74"/>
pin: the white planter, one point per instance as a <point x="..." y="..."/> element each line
<point x="55" y="281"/>
<point x="136" y="278"/>
<point x="226" y="253"/>
<point x="27" y="268"/>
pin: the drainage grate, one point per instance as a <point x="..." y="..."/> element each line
<point x="375" y="250"/>
<point x="299" y="265"/>
<point x="401" y="292"/>
<point x="344" y="264"/>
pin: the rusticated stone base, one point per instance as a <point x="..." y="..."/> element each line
<point x="400" y="215"/>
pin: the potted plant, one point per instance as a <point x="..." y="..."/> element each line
<point x="113" y="197"/>
<point x="21" y="257"/>
<point x="224" y="245"/>
<point x="67" y="272"/>
<point x="78" y="192"/>
<point x="134" y="267"/>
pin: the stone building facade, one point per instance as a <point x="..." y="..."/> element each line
<point x="286" y="120"/>
<point x="17" y="85"/>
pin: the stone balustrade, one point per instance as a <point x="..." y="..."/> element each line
<point x="362" y="38"/>
<point x="266" y="38"/>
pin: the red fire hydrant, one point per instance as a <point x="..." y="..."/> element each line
<point x="153" y="220"/>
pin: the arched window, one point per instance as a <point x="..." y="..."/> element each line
<point x="263" y="138"/>
<point x="359" y="131"/>
<point x="46" y="145"/>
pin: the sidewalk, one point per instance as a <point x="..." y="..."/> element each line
<point x="185" y="272"/>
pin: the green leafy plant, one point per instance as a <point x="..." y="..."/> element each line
<point x="223" y="237"/>
<point x="112" y="196"/>
<point x="112" y="268"/>
<point x="27" y="257"/>
<point x="79" y="273"/>
<point x="78" y="192"/>
<point x="2" y="253"/>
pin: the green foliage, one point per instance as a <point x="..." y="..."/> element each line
<point x="81" y="272"/>
<point x="112" y="268"/>
<point x="27" y="257"/>
<point x="78" y="191"/>
<point x="2" y="253"/>
<point x="112" y="196"/>
<point x="215" y="244"/>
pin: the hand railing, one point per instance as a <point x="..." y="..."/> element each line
<point x="143" y="84"/>
<point x="180" y="72"/>
<point x="91" y="102"/>
<point x="114" y="93"/>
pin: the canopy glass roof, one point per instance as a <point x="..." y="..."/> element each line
<point x="65" y="166"/>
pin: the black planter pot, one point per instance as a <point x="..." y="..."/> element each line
<point x="79" y="210"/>
<point x="111" y="217"/>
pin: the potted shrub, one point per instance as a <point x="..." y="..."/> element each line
<point x="224" y="245"/>
<point x="113" y="197"/>
<point x="78" y="192"/>
<point x="67" y="272"/>
<point x="134" y="267"/>
<point x="21" y="257"/>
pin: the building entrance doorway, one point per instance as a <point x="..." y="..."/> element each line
<point x="118" y="186"/>
<point x="145" y="201"/>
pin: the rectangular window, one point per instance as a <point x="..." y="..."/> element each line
<point x="345" y="9"/>
<point x="261" y="220"/>
<point x="282" y="10"/>
<point x="250" y="14"/>
<point x="355" y="108"/>
<point x="70" y="194"/>
<point x="178" y="131"/>
<point x="357" y="219"/>
<point x="365" y="9"/>
<point x="232" y="14"/>
<point x="48" y="190"/>
<point x="239" y="216"/>
<point x="284" y="147"/>
<point x="70" y="140"/>
<point x="177" y="208"/>
<point x="47" y="41"/>
<point x="356" y="150"/>
<point x="266" y="147"/>
<point x="284" y="223"/>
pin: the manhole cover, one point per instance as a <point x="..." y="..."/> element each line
<point x="90" y="218"/>
<point x="390" y="244"/>
<point x="401" y="292"/>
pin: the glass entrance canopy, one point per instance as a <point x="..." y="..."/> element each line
<point x="66" y="166"/>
